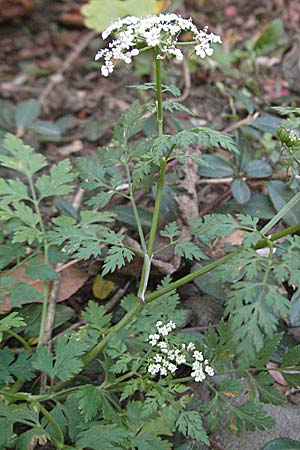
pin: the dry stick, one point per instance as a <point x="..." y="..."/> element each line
<point x="57" y="77"/>
<point x="53" y="297"/>
<point x="249" y="119"/>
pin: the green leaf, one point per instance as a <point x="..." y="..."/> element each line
<point x="170" y="231"/>
<point x="189" y="250"/>
<point x="13" y="190"/>
<point x="10" y="253"/>
<point x="116" y="258"/>
<point x="101" y="13"/>
<point x="36" y="268"/>
<point x="102" y="437"/>
<point x="94" y="130"/>
<point x="66" y="362"/>
<point x="258" y="169"/>
<point x="23" y="158"/>
<point x="6" y="359"/>
<point x="90" y="401"/>
<point x="267" y="124"/>
<point x="26" y="113"/>
<point x="6" y="432"/>
<point x="268" y="393"/>
<point x="280" y="194"/>
<point x="56" y="183"/>
<point x="240" y="191"/>
<point x="189" y="424"/>
<point x="218" y="167"/>
<point x="270" y="37"/>
<point x="291" y="358"/>
<point x="249" y="416"/>
<point x="24" y="293"/>
<point x="45" y="128"/>
<point x="283" y="443"/>
<point x="10" y="321"/>
<point x="96" y="316"/>
<point x="231" y="387"/>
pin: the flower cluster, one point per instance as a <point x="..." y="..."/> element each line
<point x="162" y="32"/>
<point x="168" y="357"/>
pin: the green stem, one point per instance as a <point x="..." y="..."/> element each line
<point x="213" y="265"/>
<point x="52" y="421"/>
<point x="160" y="184"/>
<point x="159" y="103"/>
<point x="294" y="200"/>
<point x="135" y="211"/>
<point x="92" y="354"/>
<point x="20" y="339"/>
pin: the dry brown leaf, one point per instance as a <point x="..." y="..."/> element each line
<point x="188" y="203"/>
<point x="12" y="9"/>
<point x="72" y="279"/>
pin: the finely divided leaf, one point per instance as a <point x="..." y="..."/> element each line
<point x="116" y="258"/>
<point x="56" y="183"/>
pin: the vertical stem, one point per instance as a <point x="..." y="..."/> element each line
<point x="160" y="184"/>
<point x="46" y="260"/>
<point x="135" y="211"/>
<point x="159" y="104"/>
<point x="45" y="301"/>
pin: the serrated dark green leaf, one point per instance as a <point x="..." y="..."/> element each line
<point x="189" y="424"/>
<point x="96" y="316"/>
<point x="90" y="401"/>
<point x="102" y="437"/>
<point x="189" y="250"/>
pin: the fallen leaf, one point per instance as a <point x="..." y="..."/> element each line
<point x="72" y="279"/>
<point x="102" y="287"/>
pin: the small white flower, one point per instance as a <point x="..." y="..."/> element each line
<point x="153" y="369"/>
<point x="163" y="371"/>
<point x="191" y="347"/>
<point x="157" y="358"/>
<point x="158" y="324"/>
<point x="210" y="371"/>
<point x="163" y="347"/>
<point x="153" y="339"/>
<point x="198" y="355"/>
<point x="160" y="32"/>
<point x="172" y="367"/>
<point x="180" y="359"/>
<point x="104" y="71"/>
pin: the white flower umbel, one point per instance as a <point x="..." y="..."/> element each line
<point x="161" y="32"/>
<point x="168" y="356"/>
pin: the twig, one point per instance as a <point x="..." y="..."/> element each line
<point x="116" y="298"/>
<point x="53" y="297"/>
<point x="57" y="77"/>
<point x="246" y="121"/>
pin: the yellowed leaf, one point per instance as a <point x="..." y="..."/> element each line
<point x="102" y="287"/>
